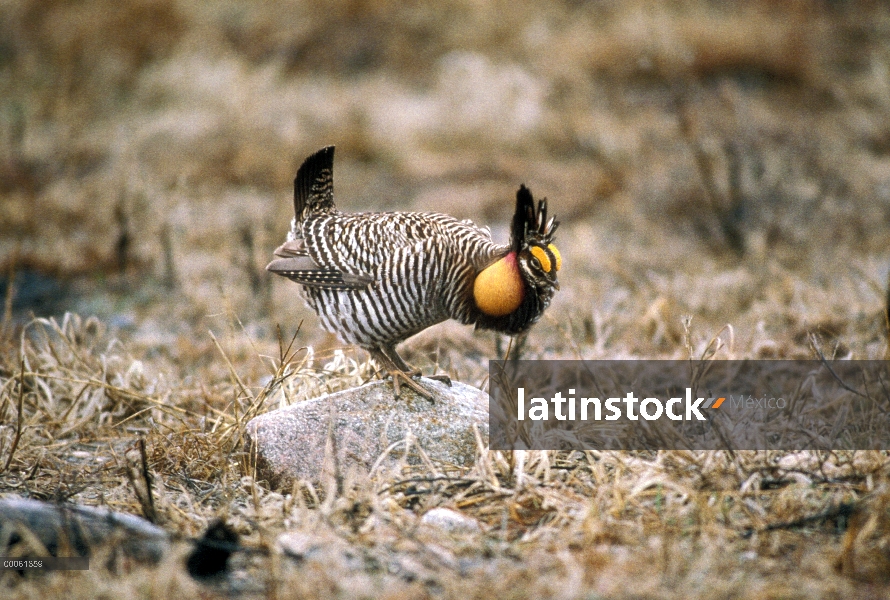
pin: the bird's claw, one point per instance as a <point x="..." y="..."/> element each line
<point x="409" y="381"/>
<point x="443" y="378"/>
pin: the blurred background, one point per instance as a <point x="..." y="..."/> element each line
<point x="712" y="163"/>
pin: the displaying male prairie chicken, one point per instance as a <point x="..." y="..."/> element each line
<point x="376" y="279"/>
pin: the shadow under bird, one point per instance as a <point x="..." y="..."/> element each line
<point x="376" y="279"/>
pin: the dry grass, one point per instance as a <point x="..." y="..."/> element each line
<point x="723" y="172"/>
<point x="553" y="524"/>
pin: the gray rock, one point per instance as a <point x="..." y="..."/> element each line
<point x="82" y="528"/>
<point x="294" y="443"/>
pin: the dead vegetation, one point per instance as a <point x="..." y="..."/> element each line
<point x="78" y="406"/>
<point x="722" y="171"/>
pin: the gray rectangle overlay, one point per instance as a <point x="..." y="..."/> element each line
<point x="689" y="405"/>
<point x="45" y="563"/>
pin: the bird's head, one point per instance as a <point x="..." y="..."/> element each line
<point x="539" y="264"/>
<point x="529" y="270"/>
<point x="532" y="241"/>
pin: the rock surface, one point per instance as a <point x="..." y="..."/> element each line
<point x="295" y="442"/>
<point x="83" y="528"/>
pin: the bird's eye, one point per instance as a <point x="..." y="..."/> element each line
<point x="540" y="258"/>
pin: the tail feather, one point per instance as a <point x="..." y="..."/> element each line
<point x="314" y="184"/>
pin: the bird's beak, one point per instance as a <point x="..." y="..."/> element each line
<point x="556" y="284"/>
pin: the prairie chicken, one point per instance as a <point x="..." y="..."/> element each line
<point x="376" y="279"/>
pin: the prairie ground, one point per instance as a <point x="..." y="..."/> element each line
<point x="722" y="175"/>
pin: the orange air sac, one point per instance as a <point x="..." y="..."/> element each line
<point x="498" y="289"/>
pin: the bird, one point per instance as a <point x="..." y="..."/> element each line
<point x="377" y="278"/>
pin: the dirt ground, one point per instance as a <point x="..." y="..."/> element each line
<point x="722" y="175"/>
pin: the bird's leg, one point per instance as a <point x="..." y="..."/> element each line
<point x="398" y="370"/>
<point x="405" y="367"/>
<point x="393" y="357"/>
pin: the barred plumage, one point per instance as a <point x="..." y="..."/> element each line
<point x="376" y="279"/>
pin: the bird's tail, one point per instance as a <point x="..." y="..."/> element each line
<point x="314" y="184"/>
<point x="530" y="224"/>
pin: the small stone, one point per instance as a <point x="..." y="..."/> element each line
<point x="450" y="520"/>
<point x="292" y="443"/>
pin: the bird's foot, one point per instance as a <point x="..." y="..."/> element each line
<point x="409" y="381"/>
<point x="417" y="374"/>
